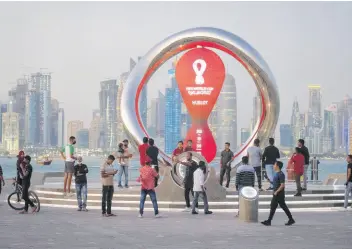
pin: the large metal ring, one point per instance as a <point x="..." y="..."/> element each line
<point x="205" y="37"/>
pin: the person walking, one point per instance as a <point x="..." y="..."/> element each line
<point x="67" y="153"/>
<point x="306" y="155"/>
<point x="147" y="179"/>
<point x="153" y="153"/>
<point x="26" y="170"/>
<point x="254" y="154"/>
<point x="225" y="164"/>
<point x="279" y="196"/>
<point x="81" y="171"/>
<point x="199" y="188"/>
<point x="269" y="157"/>
<point x="2" y="181"/>
<point x="143" y="151"/>
<point x="348" y="183"/>
<point x="188" y="182"/>
<point x="107" y="173"/>
<point x="244" y="176"/>
<point x="297" y="160"/>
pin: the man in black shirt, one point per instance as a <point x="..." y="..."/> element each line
<point x="225" y="164"/>
<point x="279" y="196"/>
<point x="191" y="166"/>
<point x="153" y="153"/>
<point x="349" y="180"/>
<point x="269" y="157"/>
<point x="25" y="173"/>
<point x="80" y="172"/>
<point x="306" y="155"/>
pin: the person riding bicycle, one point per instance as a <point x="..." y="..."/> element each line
<point x="25" y="174"/>
<point x="2" y="181"/>
<point x="20" y="159"/>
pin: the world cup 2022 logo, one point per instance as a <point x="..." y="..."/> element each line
<point x="200" y="74"/>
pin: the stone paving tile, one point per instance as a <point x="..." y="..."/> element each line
<point x="66" y="228"/>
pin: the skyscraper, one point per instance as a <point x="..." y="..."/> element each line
<point x="329" y="128"/>
<point x="41" y="83"/>
<point x="3" y="109"/>
<point x="244" y="135"/>
<point x="314" y="110"/>
<point x="108" y="113"/>
<point x="54" y="122"/>
<point x="83" y="138"/>
<point x="185" y="121"/>
<point x="73" y="127"/>
<point x="286" y="135"/>
<point x="18" y="98"/>
<point x="153" y="117"/>
<point x="61" y="128"/>
<point x="172" y="116"/>
<point x="344" y="112"/>
<point x="296" y="122"/>
<point x="143" y="105"/>
<point x="94" y="133"/>
<point x="10" y="132"/>
<point x="160" y="125"/>
<point x="227" y="114"/>
<point x="31" y="118"/>
<point x="350" y="136"/>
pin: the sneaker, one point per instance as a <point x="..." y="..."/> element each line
<point x="110" y="215"/>
<point x="84" y="209"/>
<point x="269" y="189"/>
<point x="119" y="186"/>
<point x="157" y="216"/>
<point x="290" y="222"/>
<point x="194" y="212"/>
<point x="64" y="194"/>
<point x="187" y="209"/>
<point x="298" y="195"/>
<point x="266" y="223"/>
<point x="304" y="189"/>
<point x="126" y="186"/>
<point x="261" y="190"/>
<point x="208" y="212"/>
<point x="79" y="209"/>
<point x="140" y="216"/>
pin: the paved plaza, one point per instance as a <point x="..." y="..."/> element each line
<point x="67" y="228"/>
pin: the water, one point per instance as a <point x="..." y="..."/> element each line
<point x="326" y="167"/>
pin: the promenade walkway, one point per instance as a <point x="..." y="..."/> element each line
<point x="66" y="228"/>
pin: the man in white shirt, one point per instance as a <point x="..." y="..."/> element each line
<point x="254" y="154"/>
<point x="198" y="188"/>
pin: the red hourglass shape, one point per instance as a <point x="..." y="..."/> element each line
<point x="200" y="74"/>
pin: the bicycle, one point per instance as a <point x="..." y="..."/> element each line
<point x="15" y="198"/>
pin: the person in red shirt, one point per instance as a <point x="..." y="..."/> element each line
<point x="147" y="179"/>
<point x="189" y="146"/>
<point x="298" y="162"/>
<point x="179" y="150"/>
<point x="143" y="151"/>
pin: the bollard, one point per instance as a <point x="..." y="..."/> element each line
<point x="248" y="201"/>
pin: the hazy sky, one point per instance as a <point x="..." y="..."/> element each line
<point x="84" y="43"/>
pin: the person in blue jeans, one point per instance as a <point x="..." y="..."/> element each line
<point x="80" y="173"/>
<point x="269" y="158"/>
<point x="124" y="161"/>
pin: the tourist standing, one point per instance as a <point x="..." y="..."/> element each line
<point x="348" y="183"/>
<point x="81" y="171"/>
<point x="153" y="153"/>
<point x="69" y="163"/>
<point x="124" y="161"/>
<point x="147" y="179"/>
<point x="20" y="159"/>
<point x="297" y="160"/>
<point x="143" y="151"/>
<point x="188" y="182"/>
<point x="254" y="154"/>
<point x="2" y="181"/>
<point x="225" y="164"/>
<point x="26" y="170"/>
<point x="178" y="151"/>
<point x="107" y="173"/>
<point x="244" y="176"/>
<point x="305" y="153"/>
<point x="269" y="157"/>
<point x="279" y="196"/>
<point x="199" y="188"/>
<point x="189" y="146"/>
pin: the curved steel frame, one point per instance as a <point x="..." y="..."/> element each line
<point x="205" y="37"/>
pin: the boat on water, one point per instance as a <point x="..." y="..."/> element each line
<point x="44" y="161"/>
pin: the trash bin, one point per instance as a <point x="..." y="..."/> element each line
<point x="248" y="201"/>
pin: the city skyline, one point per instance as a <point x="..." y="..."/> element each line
<point x="288" y="50"/>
